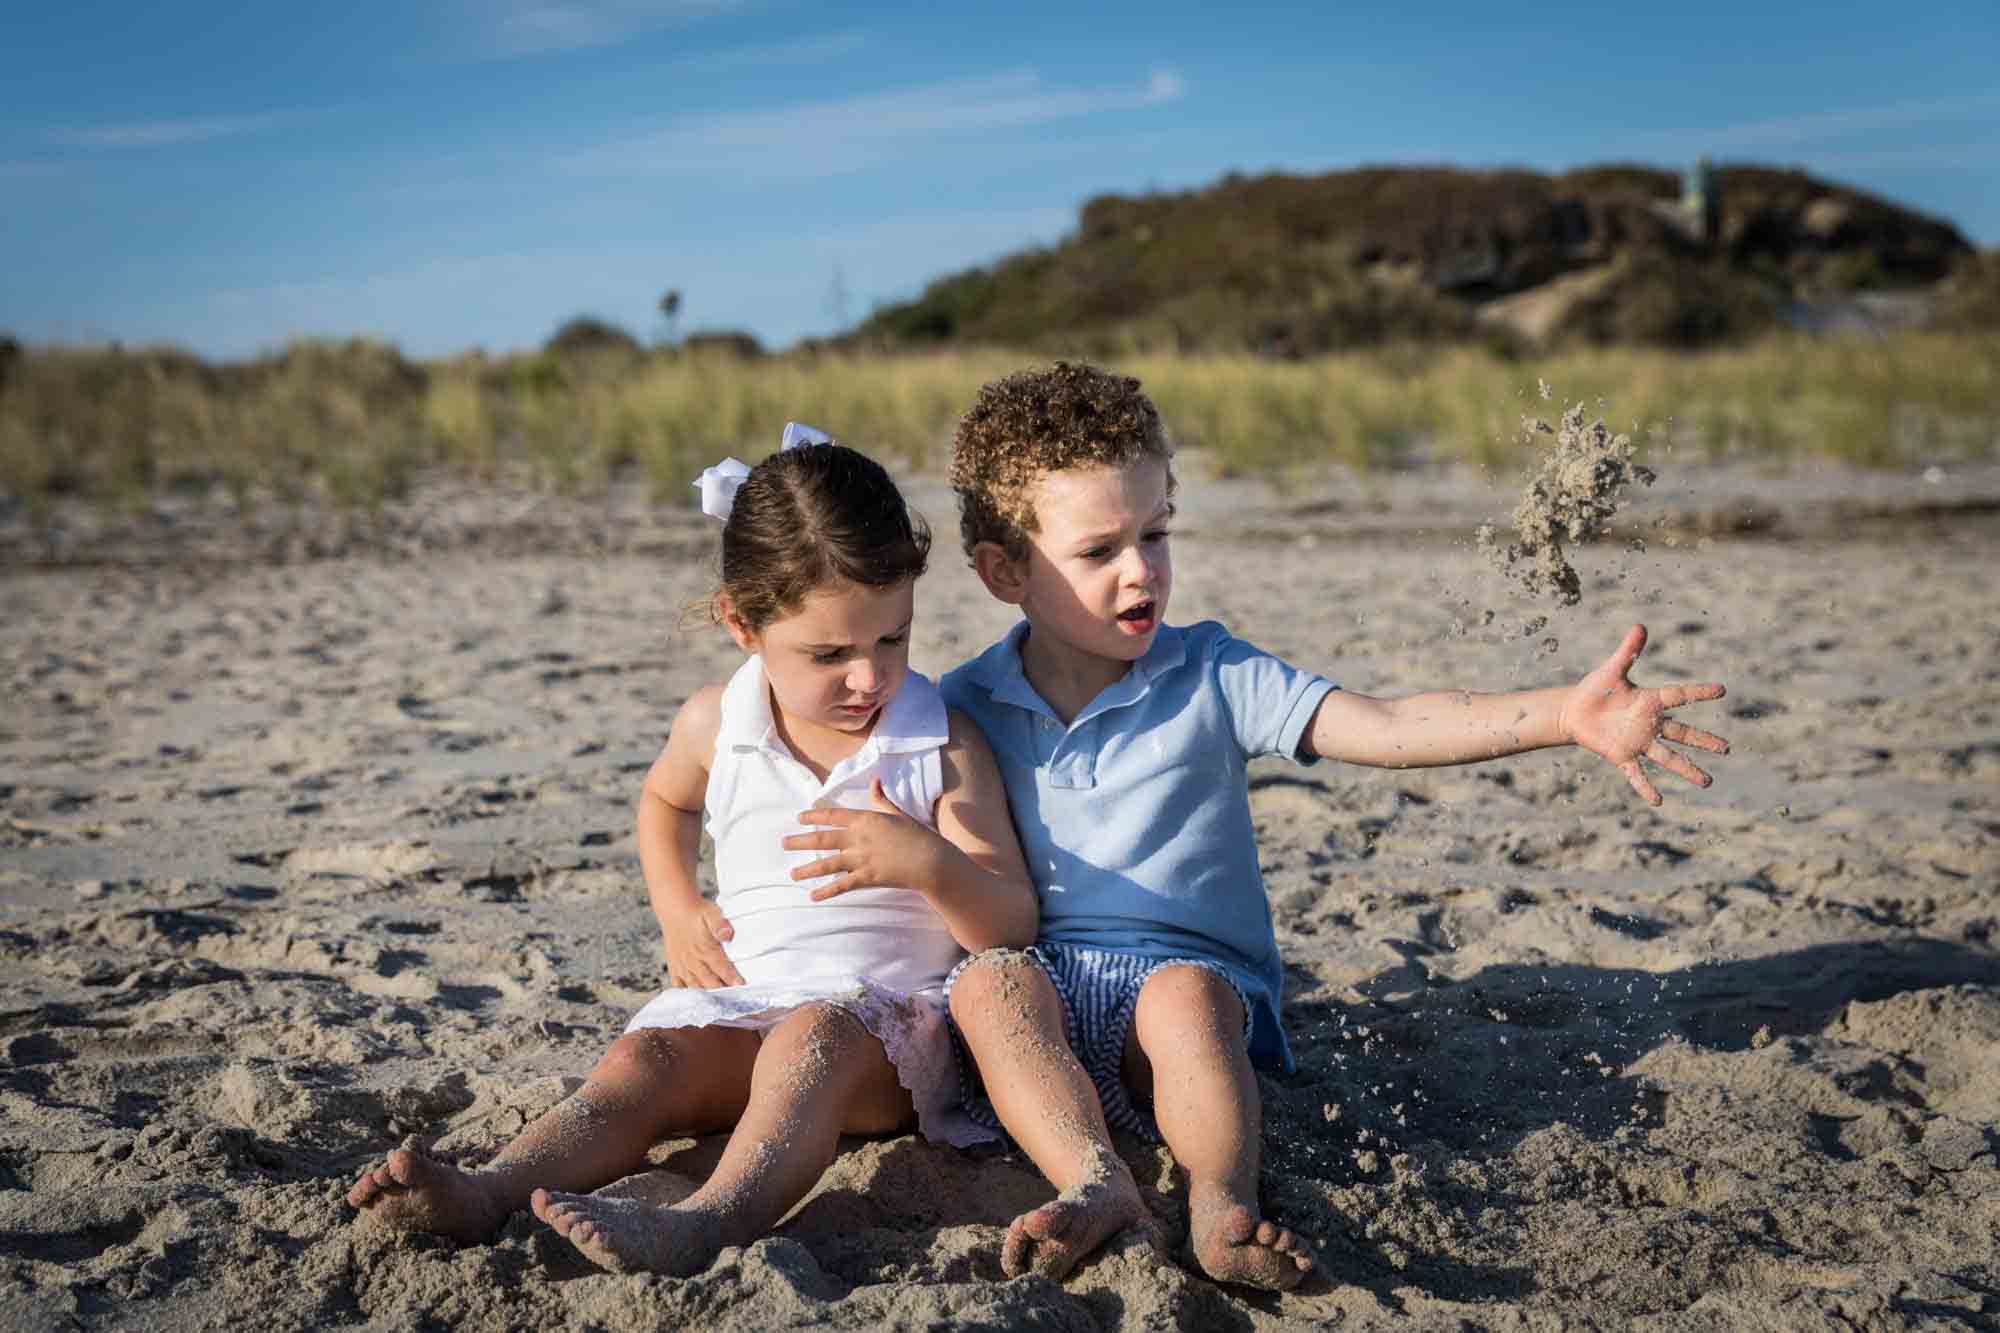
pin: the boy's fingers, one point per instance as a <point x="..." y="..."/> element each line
<point x="1640" y="782"/>
<point x="881" y="798"/>
<point x="1676" y="763"/>
<point x="1628" y="649"/>
<point x="820" y="869"/>
<point x="813" y="842"/>
<point x="1673" y="696"/>
<point x="833" y="890"/>
<point x="1682" y="734"/>
<point x="828" y="814"/>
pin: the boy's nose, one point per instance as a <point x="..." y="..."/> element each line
<point x="864" y="677"/>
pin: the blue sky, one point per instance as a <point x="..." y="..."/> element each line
<point x="458" y="173"/>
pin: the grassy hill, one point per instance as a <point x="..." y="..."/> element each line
<point x="1297" y="265"/>
<point x="1437" y="268"/>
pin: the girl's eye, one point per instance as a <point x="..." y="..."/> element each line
<point x="1097" y="553"/>
<point x="827" y="659"/>
<point x="894" y="640"/>
<point x="1158" y="535"/>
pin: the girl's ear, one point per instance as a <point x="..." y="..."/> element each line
<point x="725" y="611"/>
<point x="1005" y="577"/>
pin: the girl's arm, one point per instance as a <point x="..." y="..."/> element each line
<point x="1604" y="712"/>
<point x="970" y="867"/>
<point x="669" y="835"/>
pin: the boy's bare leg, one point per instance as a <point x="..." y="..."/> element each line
<point x="818" y="1074"/>
<point x="1012" y="1022"/>
<point x="648" y="1085"/>
<point x="1187" y="1047"/>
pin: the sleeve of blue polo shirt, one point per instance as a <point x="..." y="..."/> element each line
<point x="1271" y="702"/>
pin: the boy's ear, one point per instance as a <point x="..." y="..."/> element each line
<point x="725" y="611"/>
<point x="1005" y="577"/>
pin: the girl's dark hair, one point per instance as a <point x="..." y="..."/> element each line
<point x="810" y="516"/>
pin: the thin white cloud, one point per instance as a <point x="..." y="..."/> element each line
<point x="970" y="237"/>
<point x="163" y="133"/>
<point x="534" y="27"/>
<point x="805" y="51"/>
<point x="816" y="139"/>
<point x="1822" y="126"/>
<point x="777" y="287"/>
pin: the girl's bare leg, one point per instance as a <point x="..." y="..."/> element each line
<point x="1012" y="1023"/>
<point x="1187" y="1047"/>
<point x="649" y="1085"/>
<point x="818" y="1075"/>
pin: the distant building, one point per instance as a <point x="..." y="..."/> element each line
<point x="1701" y="202"/>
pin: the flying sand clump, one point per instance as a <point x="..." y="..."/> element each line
<point x="1570" y="499"/>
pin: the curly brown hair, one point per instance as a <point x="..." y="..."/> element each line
<point x="1035" y="422"/>
<point x="811" y="516"/>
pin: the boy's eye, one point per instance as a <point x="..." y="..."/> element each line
<point x="1158" y="535"/>
<point x="1097" y="553"/>
<point x="894" y="640"/>
<point x="829" y="658"/>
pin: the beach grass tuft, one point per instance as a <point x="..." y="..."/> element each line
<point x="356" y="423"/>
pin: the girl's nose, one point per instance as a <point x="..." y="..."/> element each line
<point x="864" y="677"/>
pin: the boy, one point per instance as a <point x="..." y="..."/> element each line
<point x="1123" y="741"/>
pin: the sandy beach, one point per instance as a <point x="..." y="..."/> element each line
<point x="317" y="834"/>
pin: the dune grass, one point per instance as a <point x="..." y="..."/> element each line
<point x="354" y="423"/>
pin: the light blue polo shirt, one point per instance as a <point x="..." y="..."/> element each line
<point x="1135" y="818"/>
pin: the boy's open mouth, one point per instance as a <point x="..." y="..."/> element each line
<point x="1138" y="617"/>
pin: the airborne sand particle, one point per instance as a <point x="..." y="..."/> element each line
<point x="1569" y="500"/>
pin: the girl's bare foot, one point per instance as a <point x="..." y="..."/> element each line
<point x="1232" y="1244"/>
<point x="410" y="1192"/>
<point x="629" y="1235"/>
<point x="1055" y="1237"/>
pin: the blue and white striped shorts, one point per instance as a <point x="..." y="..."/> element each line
<point x="1099" y="991"/>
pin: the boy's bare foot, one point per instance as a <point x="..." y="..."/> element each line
<point x="1232" y="1244"/>
<point x="1055" y="1237"/>
<point x="410" y="1192"/>
<point x="630" y="1235"/>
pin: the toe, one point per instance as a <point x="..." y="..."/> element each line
<point x="1052" y="1222"/>
<point x="373" y="1183"/>
<point x="1014" y="1251"/>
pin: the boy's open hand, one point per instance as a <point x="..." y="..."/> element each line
<point x="1609" y="715"/>
<point x="875" y="848"/>
<point x="692" y="942"/>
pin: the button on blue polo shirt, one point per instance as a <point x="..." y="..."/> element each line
<point x="1135" y="817"/>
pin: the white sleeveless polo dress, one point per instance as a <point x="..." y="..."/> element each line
<point x="881" y="954"/>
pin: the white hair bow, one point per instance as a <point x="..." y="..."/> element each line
<point x="718" y="484"/>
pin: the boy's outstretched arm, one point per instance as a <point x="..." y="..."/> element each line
<point x="1604" y="713"/>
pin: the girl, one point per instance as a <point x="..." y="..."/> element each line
<point x="799" y="1013"/>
